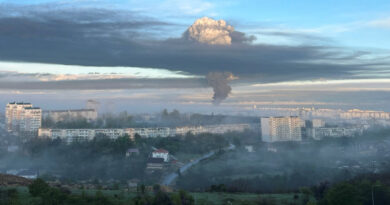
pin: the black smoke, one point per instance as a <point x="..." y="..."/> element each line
<point x="219" y="81"/>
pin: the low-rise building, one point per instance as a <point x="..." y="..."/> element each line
<point x="161" y="153"/>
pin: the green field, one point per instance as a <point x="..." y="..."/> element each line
<point x="123" y="197"/>
<point x="245" y="198"/>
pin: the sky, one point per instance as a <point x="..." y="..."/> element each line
<point x="129" y="52"/>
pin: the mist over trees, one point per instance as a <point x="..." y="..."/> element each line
<point x="163" y="119"/>
<point x="285" y="167"/>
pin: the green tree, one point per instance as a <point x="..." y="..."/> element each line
<point x="38" y="187"/>
<point x="9" y="197"/>
<point x="343" y="194"/>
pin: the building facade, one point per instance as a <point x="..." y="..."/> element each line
<point x="278" y="129"/>
<point x="161" y="153"/>
<point x="333" y="132"/>
<point x="70" y="135"/>
<point x="23" y="118"/>
<point x="318" y="123"/>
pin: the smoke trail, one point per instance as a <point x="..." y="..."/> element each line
<point x="219" y="82"/>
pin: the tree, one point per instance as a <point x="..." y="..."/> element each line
<point x="9" y="197"/>
<point x="38" y="187"/>
<point x="343" y="194"/>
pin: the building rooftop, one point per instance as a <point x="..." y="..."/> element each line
<point x="160" y="151"/>
<point x="19" y="103"/>
<point x="77" y="110"/>
<point x="280" y="117"/>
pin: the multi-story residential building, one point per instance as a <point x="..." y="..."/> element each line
<point x="324" y="132"/>
<point x="31" y="121"/>
<point x="70" y="135"/>
<point x="152" y="132"/>
<point x="365" y="114"/>
<point x="213" y="129"/>
<point x="318" y="123"/>
<point x="13" y="115"/>
<point x="23" y="118"/>
<point x="276" y="129"/>
<point x="63" y="115"/>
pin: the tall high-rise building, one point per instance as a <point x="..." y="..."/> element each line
<point x="23" y="118"/>
<point x="277" y="129"/>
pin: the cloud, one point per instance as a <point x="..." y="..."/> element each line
<point x="112" y="38"/>
<point x="215" y="32"/>
<point x="105" y="84"/>
<point x="42" y="71"/>
<point x="380" y="23"/>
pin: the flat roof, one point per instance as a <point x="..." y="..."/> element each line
<point x="77" y="110"/>
<point x="19" y="103"/>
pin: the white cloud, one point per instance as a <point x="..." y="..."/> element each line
<point x="380" y="23"/>
<point x="48" y="72"/>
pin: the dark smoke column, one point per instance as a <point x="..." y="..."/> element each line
<point x="219" y="82"/>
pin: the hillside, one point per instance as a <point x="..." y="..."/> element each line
<point x="12" y="180"/>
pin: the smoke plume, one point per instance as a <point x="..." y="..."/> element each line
<point x="219" y="82"/>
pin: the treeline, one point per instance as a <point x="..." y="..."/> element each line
<point x="365" y="189"/>
<point x="189" y="143"/>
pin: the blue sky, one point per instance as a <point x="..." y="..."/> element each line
<point x="352" y="23"/>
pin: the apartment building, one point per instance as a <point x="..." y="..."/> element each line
<point x="23" y="118"/>
<point x="318" y="123"/>
<point x="277" y="129"/>
<point x="70" y="135"/>
<point x="320" y="133"/>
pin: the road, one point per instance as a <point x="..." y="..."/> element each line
<point x="170" y="178"/>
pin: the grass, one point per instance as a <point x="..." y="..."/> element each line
<point x="244" y="198"/>
<point x="201" y="198"/>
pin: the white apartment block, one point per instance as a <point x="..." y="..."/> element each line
<point x="23" y="118"/>
<point x="318" y="123"/>
<point x="63" y="115"/>
<point x="213" y="129"/>
<point x="71" y="135"/>
<point x="333" y="132"/>
<point x="278" y="129"/>
<point x="365" y="114"/>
